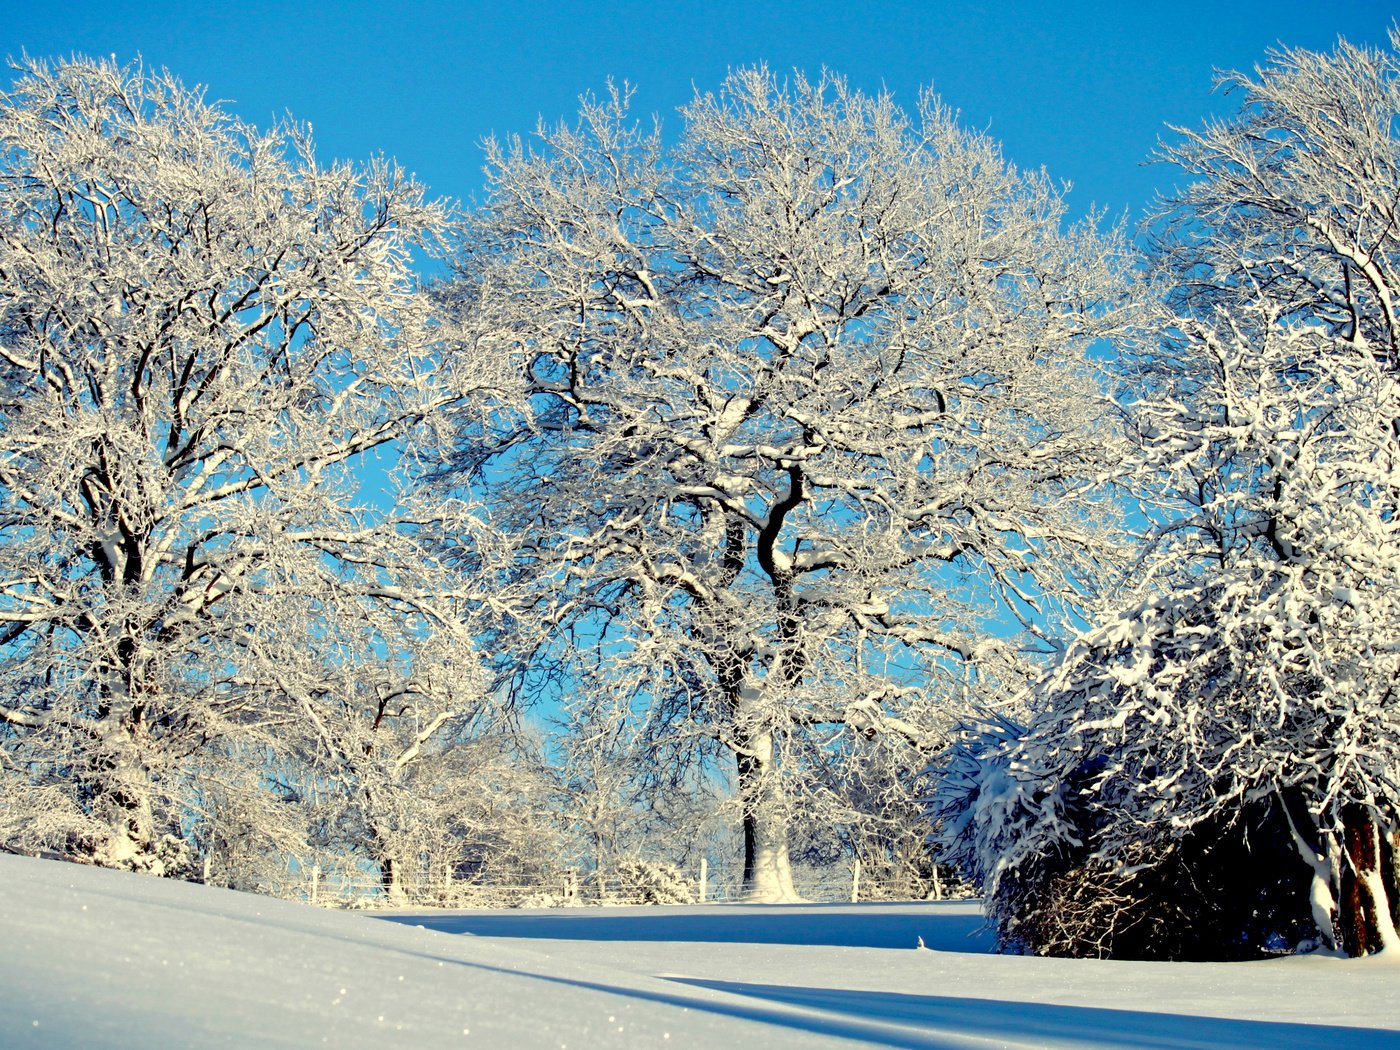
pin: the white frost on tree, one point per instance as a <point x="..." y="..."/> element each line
<point x="202" y="333"/>
<point x="808" y="411"/>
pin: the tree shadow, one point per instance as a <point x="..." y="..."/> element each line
<point x="953" y="926"/>
<point x="932" y="1020"/>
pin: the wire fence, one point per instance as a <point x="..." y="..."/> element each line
<point x="644" y="885"/>
<point x="641" y="883"/>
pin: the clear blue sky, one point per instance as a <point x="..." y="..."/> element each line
<point x="1083" y="89"/>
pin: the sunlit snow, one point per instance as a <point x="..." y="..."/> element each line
<point x="97" y="958"/>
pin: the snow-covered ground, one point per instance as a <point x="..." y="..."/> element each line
<point x="92" y="958"/>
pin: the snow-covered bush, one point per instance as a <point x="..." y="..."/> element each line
<point x="1228" y="730"/>
<point x="1239" y="696"/>
<point x="1228" y="887"/>
<point x="540" y="899"/>
<point x="653" y="882"/>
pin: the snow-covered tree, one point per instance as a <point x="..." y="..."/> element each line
<point x="202" y="334"/>
<point x="1240" y="690"/>
<point x="808" y="411"/>
<point x="624" y="804"/>
<point x="1294" y="199"/>
<point x="1237" y="701"/>
<point x="477" y="821"/>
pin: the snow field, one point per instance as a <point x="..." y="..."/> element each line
<point x="97" y="958"/>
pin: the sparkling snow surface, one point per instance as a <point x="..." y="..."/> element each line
<point x="97" y="958"/>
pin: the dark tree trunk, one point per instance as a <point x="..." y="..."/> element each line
<point x="1366" y="912"/>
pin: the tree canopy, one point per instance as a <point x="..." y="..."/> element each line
<point x="201" y="332"/>
<point x="808" y="407"/>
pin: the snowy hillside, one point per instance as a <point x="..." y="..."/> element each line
<point x="97" y="958"/>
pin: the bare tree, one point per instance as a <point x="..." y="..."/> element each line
<point x="202" y="334"/>
<point x="808" y="408"/>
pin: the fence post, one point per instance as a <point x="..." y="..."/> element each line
<point x="704" y="878"/>
<point x="205" y="877"/>
<point x="855" y="881"/>
<point x="315" y="881"/>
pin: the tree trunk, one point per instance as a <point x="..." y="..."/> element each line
<point x="118" y="782"/>
<point x="767" y="871"/>
<point x="120" y="794"/>
<point x="391" y="881"/>
<point x="132" y="844"/>
<point x="1366" y="910"/>
<point x="1319" y="853"/>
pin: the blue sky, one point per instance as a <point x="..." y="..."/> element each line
<point x="1083" y="89"/>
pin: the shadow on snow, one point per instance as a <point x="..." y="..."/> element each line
<point x="935" y="1020"/>
<point x="950" y="926"/>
